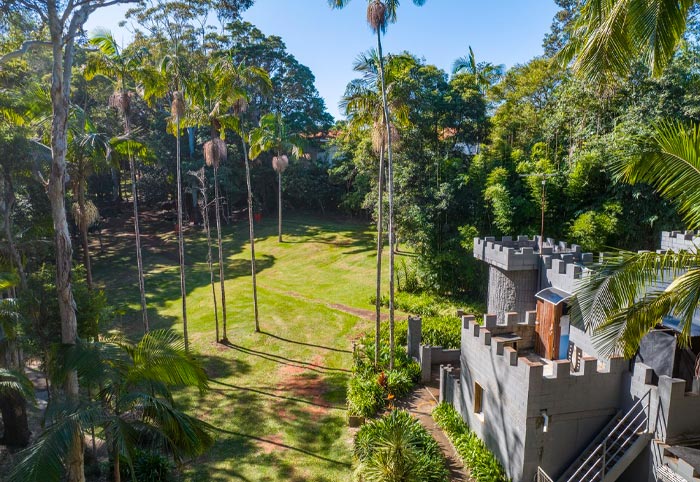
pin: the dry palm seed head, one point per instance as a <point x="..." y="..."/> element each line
<point x="211" y="154"/>
<point x="280" y="163"/>
<point x="177" y="109"/>
<point x="376" y="15"/>
<point x="120" y="101"/>
<point x="221" y="146"/>
<point x="240" y="106"/>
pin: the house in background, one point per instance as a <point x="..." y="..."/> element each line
<point x="534" y="389"/>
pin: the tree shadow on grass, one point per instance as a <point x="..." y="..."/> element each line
<point x="280" y="397"/>
<point x="287" y="340"/>
<point x="284" y="360"/>
<point x="284" y="446"/>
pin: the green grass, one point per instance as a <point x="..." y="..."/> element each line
<point x="278" y="397"/>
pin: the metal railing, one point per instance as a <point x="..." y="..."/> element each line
<point x="618" y="440"/>
<point x="542" y="476"/>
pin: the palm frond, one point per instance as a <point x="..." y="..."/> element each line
<point x="630" y="293"/>
<point x="14" y="381"/>
<point x="672" y="167"/>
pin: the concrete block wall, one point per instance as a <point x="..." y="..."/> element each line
<point x="509" y="255"/>
<point x="680" y="240"/>
<point x="564" y="271"/>
<point x="517" y="392"/>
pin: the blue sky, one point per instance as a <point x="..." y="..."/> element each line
<point x="327" y="41"/>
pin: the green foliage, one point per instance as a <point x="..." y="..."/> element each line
<point x="371" y="388"/>
<point x="482" y="465"/>
<point x="148" y="467"/>
<point x="592" y="229"/>
<point x="396" y="448"/>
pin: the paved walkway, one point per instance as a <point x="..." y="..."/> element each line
<point x="420" y="403"/>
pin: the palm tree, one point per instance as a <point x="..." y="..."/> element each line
<point x="204" y="208"/>
<point x="113" y="63"/>
<point x="133" y="406"/>
<point x="630" y="293"/>
<point x="379" y="14"/>
<point x="212" y="96"/>
<point x="485" y="74"/>
<point x="610" y="36"/>
<point x="246" y="80"/>
<point x="362" y="104"/>
<point x="272" y="134"/>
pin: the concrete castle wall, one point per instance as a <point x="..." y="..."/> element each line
<point x="678" y="240"/>
<point x="516" y="393"/>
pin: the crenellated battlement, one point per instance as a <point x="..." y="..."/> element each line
<point x="506" y="345"/>
<point x="564" y="271"/>
<point x="680" y="240"/>
<point x="523" y="253"/>
<point x="508" y="254"/>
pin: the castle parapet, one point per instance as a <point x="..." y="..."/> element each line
<point x="680" y="240"/>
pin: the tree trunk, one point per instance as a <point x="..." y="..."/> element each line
<point x="279" y="206"/>
<point x="251" y="232"/>
<point x="82" y="223"/>
<point x="60" y="90"/>
<point x="137" y="231"/>
<point x="180" y="239"/>
<point x="221" y="252"/>
<point x="117" y="471"/>
<point x="9" y="205"/>
<point x="391" y="200"/>
<point x="207" y="228"/>
<point x="13" y="408"/>
<point x="380" y="247"/>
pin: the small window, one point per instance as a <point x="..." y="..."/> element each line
<point x="478" y="398"/>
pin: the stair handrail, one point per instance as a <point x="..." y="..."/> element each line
<point x="542" y="476"/>
<point x="603" y="444"/>
<point x="625" y="442"/>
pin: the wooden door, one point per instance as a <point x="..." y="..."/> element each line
<point x="548" y="329"/>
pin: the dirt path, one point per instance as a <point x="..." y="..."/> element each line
<point x="420" y="403"/>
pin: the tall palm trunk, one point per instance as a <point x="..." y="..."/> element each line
<point x="137" y="229"/>
<point x="251" y="232"/>
<point x="221" y="251"/>
<point x="279" y="205"/>
<point x="380" y="247"/>
<point x="207" y="228"/>
<point x="82" y="223"/>
<point x="180" y="238"/>
<point x="60" y="87"/>
<point x="391" y="199"/>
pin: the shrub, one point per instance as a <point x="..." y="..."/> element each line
<point x="370" y="387"/>
<point x="482" y="464"/>
<point x="148" y="467"/>
<point x="396" y="448"/>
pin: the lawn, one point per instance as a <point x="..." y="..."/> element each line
<point x="278" y="397"/>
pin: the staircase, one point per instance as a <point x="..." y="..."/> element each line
<point x="617" y="445"/>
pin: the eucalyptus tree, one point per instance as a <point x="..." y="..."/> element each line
<point x="64" y="21"/>
<point x="362" y="103"/>
<point x="631" y="292"/>
<point x="272" y="135"/>
<point x="121" y="67"/>
<point x="380" y="14"/>
<point x="247" y="80"/>
<point x="134" y="405"/>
